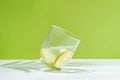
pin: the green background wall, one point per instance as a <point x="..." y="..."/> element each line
<point x="25" y="23"/>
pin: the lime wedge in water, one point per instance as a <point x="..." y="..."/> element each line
<point x="62" y="59"/>
<point x="55" y="58"/>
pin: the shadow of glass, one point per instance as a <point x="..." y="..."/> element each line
<point x="79" y="64"/>
<point x="67" y="70"/>
<point x="23" y="66"/>
<point x="27" y="66"/>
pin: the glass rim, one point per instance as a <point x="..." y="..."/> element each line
<point x="66" y="31"/>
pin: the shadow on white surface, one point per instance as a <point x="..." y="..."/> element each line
<point x="28" y="66"/>
<point x="80" y="69"/>
<point x="66" y="70"/>
<point x="25" y="66"/>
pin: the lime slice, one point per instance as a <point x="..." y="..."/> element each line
<point x="62" y="59"/>
<point x="47" y="56"/>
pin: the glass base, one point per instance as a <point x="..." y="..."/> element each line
<point x="52" y="67"/>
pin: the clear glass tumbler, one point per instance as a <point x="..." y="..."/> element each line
<point x="58" y="48"/>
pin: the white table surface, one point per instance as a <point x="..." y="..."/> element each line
<point x="77" y="69"/>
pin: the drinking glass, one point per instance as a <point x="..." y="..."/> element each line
<point x="58" y="48"/>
